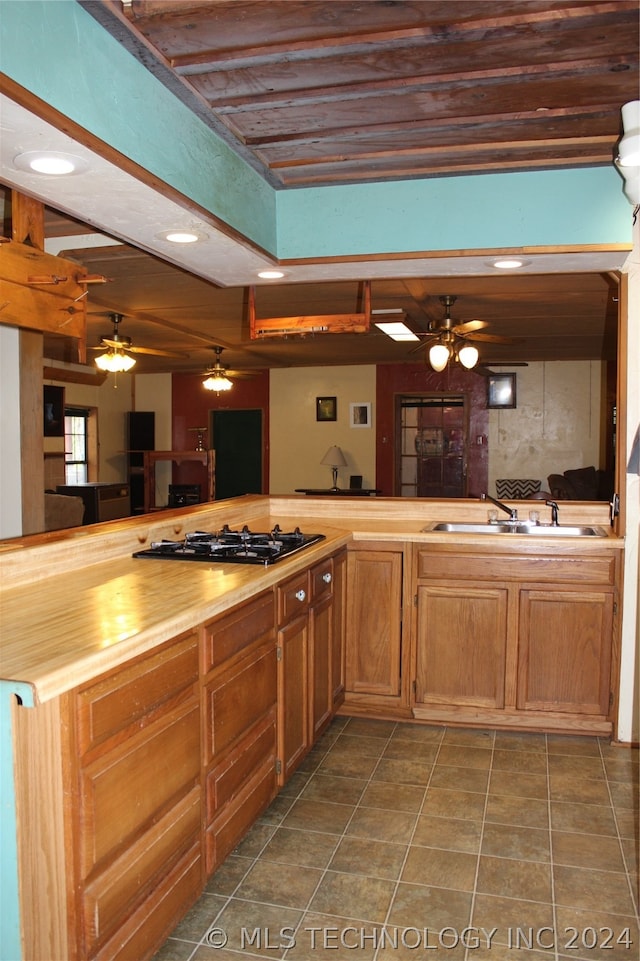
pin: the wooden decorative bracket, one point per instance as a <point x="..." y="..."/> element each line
<point x="356" y="323"/>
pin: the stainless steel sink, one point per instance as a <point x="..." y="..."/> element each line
<point x="532" y="530"/>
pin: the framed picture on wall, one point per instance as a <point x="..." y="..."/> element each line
<point x="501" y="390"/>
<point x="326" y="408"/>
<point x="53" y="411"/>
<point x="360" y="415"/>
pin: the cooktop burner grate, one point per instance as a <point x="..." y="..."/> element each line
<point x="232" y="546"/>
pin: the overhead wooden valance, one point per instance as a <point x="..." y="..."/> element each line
<point x="355" y="323"/>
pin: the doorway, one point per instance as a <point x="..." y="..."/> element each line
<point x="236" y="437"/>
<point x="431" y="445"/>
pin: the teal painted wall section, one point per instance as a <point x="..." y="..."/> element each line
<point x="565" y="207"/>
<point x="59" y="52"/>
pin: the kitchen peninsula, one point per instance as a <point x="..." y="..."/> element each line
<point x="170" y="701"/>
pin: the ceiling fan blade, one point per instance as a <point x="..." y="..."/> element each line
<point x="156" y="353"/>
<point x="469" y="327"/>
<point x="426" y="342"/>
<point x="493" y="339"/>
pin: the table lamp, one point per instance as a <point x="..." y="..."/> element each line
<point x="334" y="458"/>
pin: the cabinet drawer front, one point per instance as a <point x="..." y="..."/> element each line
<point x="590" y="568"/>
<point x="163" y="763"/>
<point x="233" y="824"/>
<point x="237" y="699"/>
<point x="134" y="695"/>
<point x="156" y="917"/>
<point x="111" y="897"/>
<point x="321" y="580"/>
<point x="226" y="780"/>
<point x="293" y="597"/>
<point x="228" y="635"/>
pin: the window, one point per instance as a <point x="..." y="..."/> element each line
<point x="76" y="446"/>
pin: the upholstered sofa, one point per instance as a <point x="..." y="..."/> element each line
<point x="582" y="484"/>
<point x="62" y="510"/>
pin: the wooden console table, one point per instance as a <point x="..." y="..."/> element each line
<point x="151" y="458"/>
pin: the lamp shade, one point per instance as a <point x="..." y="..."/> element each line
<point x="217" y="381"/>
<point x="439" y="356"/>
<point x="334" y="458"/>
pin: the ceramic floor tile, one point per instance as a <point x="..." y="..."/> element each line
<point x="511" y="841"/>
<point x="291" y="887"/>
<point x="353" y="896"/>
<point x="403" y="772"/>
<point x="379" y="859"/>
<point x="441" y="869"/>
<point x="451" y="834"/>
<point x="379" y="825"/>
<point x="393" y="797"/>
<point x="457" y="755"/>
<point x="320" y="816"/>
<point x="528" y="812"/>
<point x="520" y="762"/>
<point x="455" y="804"/>
<point x="309" y="848"/>
<point x="584" y="851"/>
<point x="504" y="877"/>
<point x="393" y="830"/>
<point x="340" y="790"/>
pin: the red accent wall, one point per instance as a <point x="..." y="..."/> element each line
<point x="191" y="404"/>
<point x="393" y="379"/>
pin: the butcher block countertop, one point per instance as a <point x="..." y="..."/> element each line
<point x="75" y="603"/>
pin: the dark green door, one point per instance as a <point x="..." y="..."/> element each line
<point x="237" y="440"/>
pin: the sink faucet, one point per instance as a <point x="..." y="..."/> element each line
<point x="512" y="512"/>
<point x="554" y="512"/>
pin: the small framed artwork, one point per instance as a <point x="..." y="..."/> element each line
<point x="326" y="408"/>
<point x="360" y="415"/>
<point x="53" y="411"/>
<point x="501" y="390"/>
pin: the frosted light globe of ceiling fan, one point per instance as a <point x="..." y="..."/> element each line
<point x="439" y="357"/>
<point x="468" y="356"/>
<point x="115" y="361"/>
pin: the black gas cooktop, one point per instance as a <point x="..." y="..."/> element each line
<point x="232" y="547"/>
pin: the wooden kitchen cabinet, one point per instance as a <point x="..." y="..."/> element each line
<point x="564" y="659"/>
<point x="135" y="770"/>
<point x="294" y="736"/>
<point x="375" y="672"/>
<point x="515" y="639"/>
<point x="239" y="721"/>
<point x="462" y="643"/>
<point x="310" y="657"/>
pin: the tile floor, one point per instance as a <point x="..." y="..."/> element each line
<point x="399" y="841"/>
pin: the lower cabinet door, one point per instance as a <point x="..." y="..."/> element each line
<point x="293" y="695"/>
<point x="565" y="651"/>
<point x="461" y="645"/>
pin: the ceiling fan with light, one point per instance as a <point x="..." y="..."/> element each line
<point x="218" y="374"/>
<point x="116" y="358"/>
<point x="450" y="340"/>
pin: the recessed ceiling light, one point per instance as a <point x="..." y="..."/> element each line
<point x="53" y="163"/>
<point x="509" y="263"/>
<point x="271" y="274"/>
<point x="178" y="236"/>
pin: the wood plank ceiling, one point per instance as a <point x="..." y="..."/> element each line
<point x="317" y="93"/>
<point x="333" y="92"/>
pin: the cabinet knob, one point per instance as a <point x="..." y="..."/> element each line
<point x="326" y="578"/>
<point x="301" y="595"/>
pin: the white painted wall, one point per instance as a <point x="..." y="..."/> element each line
<point x="556" y="425"/>
<point x="299" y="441"/>
<point x="113" y="400"/>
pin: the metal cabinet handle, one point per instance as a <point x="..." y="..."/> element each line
<point x="326" y="578"/>
<point x="301" y="595"/>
